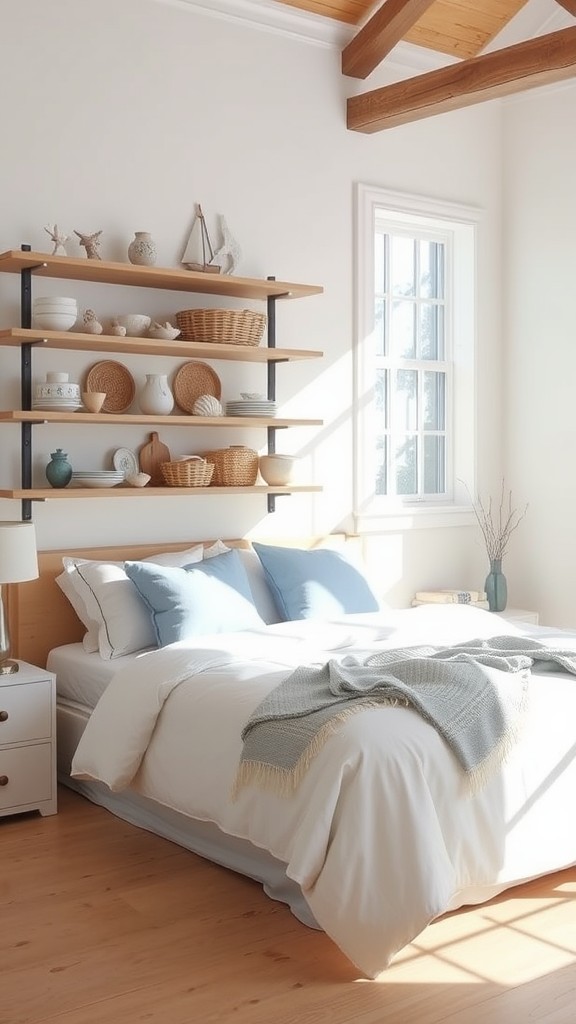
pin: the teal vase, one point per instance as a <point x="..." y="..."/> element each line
<point x="496" y="587"/>
<point x="58" y="470"/>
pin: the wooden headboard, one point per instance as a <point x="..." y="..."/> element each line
<point x="40" y="617"/>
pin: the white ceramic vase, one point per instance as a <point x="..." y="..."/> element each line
<point x="142" y="249"/>
<point x="156" y="398"/>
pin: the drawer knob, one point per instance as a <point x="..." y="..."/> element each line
<point x="4" y="780"/>
<point x="3" y="716"/>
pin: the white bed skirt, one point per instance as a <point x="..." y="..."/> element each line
<point x="200" y="837"/>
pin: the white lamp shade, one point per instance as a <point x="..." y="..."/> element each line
<point x="18" y="560"/>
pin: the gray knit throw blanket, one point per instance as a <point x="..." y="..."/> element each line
<point x="474" y="694"/>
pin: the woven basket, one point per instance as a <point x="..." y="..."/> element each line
<point x="188" y="473"/>
<point x="235" y="466"/>
<point x="222" y="326"/>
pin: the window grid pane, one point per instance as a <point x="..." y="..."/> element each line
<point x="411" y="400"/>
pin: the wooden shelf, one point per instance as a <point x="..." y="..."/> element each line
<point x="32" y="265"/>
<point x="14" y="261"/>
<point x="48" y="493"/>
<point x="39" y="416"/>
<point x="77" y="342"/>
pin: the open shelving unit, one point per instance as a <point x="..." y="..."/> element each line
<point x="31" y="265"/>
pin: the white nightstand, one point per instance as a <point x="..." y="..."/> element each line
<point x="519" y="616"/>
<point x="28" y="741"/>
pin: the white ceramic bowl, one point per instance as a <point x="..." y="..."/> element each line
<point x="50" y="300"/>
<point x="138" y="479"/>
<point x="136" y="324"/>
<point x="277" y="470"/>
<point x="58" y="391"/>
<point x="54" y="321"/>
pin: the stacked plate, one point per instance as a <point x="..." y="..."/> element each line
<point x="251" y="407"/>
<point x="57" y="404"/>
<point x="97" y="478"/>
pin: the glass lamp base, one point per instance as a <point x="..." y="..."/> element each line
<point x="8" y="667"/>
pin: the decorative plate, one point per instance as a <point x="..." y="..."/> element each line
<point x="126" y="461"/>
<point x="116" y="380"/>
<point x="192" y="380"/>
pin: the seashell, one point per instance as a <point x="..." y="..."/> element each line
<point x="207" y="405"/>
<point x="163" y="331"/>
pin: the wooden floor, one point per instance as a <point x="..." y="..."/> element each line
<point x="103" y="923"/>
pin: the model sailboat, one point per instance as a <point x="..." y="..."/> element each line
<point x="199" y="253"/>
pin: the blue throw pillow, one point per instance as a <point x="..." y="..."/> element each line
<point x="212" y="596"/>
<point x="316" y="584"/>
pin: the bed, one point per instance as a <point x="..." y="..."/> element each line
<point x="382" y="834"/>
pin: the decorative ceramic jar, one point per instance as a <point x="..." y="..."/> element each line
<point x="58" y="470"/>
<point x="156" y="398"/>
<point x="142" y="249"/>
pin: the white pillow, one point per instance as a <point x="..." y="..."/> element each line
<point x="261" y="592"/>
<point x="66" y="582"/>
<point x="108" y="603"/>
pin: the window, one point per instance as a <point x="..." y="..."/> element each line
<point x="414" y="358"/>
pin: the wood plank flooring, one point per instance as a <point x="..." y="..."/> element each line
<point x="103" y="923"/>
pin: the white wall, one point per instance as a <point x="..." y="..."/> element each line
<point x="540" y="368"/>
<point x="121" y="116"/>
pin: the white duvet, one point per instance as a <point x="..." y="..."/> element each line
<point x="382" y="835"/>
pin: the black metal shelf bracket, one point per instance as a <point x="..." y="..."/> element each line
<point x="271" y="389"/>
<point x="26" y="385"/>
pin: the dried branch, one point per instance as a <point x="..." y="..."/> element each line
<point x="498" y="525"/>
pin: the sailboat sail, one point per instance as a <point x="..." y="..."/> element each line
<point x="199" y="254"/>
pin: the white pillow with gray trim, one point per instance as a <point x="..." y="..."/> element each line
<point x="109" y="605"/>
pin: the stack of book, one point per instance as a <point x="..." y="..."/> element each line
<point x="476" y="598"/>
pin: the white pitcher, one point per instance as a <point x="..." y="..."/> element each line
<point x="156" y="398"/>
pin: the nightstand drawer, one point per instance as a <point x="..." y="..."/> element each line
<point x="25" y="775"/>
<point x="28" y="707"/>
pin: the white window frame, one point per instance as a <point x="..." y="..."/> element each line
<point x="457" y="225"/>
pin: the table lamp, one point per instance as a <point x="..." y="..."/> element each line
<point x="18" y="563"/>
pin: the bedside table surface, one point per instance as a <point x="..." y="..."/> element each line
<point x="520" y="615"/>
<point x="26" y="674"/>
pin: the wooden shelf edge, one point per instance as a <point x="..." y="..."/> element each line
<point x="43" y="264"/>
<point x="71" y="493"/>
<point x="39" y="417"/>
<point x="78" y="342"/>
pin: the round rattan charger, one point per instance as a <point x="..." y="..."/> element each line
<point x="193" y="379"/>
<point x="116" y="380"/>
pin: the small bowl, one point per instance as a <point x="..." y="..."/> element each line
<point x="252" y="396"/>
<point x="55" y="321"/>
<point x="277" y="470"/>
<point x="68" y="390"/>
<point x="49" y="302"/>
<point x="136" y="324"/>
<point x="138" y="479"/>
<point x="93" y="400"/>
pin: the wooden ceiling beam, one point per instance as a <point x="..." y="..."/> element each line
<point x="380" y="34"/>
<point x="540" y="61"/>
<point x="568" y="5"/>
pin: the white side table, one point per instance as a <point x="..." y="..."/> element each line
<point x="28" y="741"/>
<point x="519" y="616"/>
